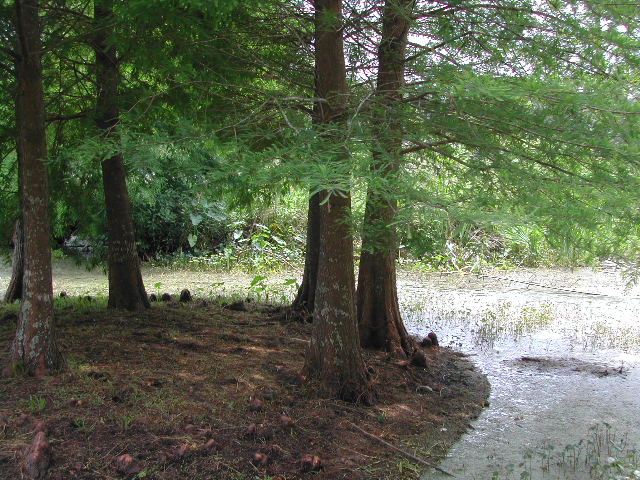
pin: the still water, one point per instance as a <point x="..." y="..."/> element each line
<point x="561" y="350"/>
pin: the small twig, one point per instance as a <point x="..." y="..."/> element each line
<point x="255" y="468"/>
<point x="352" y="409"/>
<point x="299" y="340"/>
<point x="419" y="460"/>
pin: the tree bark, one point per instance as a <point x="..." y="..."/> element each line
<point x="14" y="290"/>
<point x="34" y="347"/>
<point x="126" y="288"/>
<point x="334" y="358"/>
<point x="305" y="299"/>
<point x="379" y="320"/>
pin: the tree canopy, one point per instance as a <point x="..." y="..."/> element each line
<point x="498" y="96"/>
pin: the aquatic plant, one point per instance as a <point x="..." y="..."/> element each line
<point x="604" y="454"/>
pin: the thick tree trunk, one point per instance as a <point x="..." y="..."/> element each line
<point x="334" y="358"/>
<point x="14" y="290"/>
<point x="126" y="288"/>
<point x="305" y="299"/>
<point x="379" y="321"/>
<point x="34" y="348"/>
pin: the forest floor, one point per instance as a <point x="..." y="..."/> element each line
<point x="200" y="391"/>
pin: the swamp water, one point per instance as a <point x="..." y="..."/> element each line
<point x="562" y="353"/>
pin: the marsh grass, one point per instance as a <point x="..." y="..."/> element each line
<point x="603" y="454"/>
<point x="486" y="320"/>
<point x="512" y="322"/>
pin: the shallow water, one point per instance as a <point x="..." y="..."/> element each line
<point x="561" y="364"/>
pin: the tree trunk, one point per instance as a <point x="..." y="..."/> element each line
<point x="34" y="347"/>
<point x="305" y="299"/>
<point x="126" y="288"/>
<point x="334" y="358"/>
<point x="379" y="321"/>
<point x="14" y="290"/>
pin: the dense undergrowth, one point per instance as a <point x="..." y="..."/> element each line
<point x="266" y="243"/>
<point x="266" y="248"/>
<point x="182" y="219"/>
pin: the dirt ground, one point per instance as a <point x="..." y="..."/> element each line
<point x="199" y="391"/>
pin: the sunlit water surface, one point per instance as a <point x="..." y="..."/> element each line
<point x="562" y="361"/>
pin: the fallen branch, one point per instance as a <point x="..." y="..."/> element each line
<point x="410" y="456"/>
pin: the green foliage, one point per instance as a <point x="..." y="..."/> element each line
<point x="8" y="198"/>
<point x="252" y="247"/>
<point x="451" y="245"/>
<point x="20" y="368"/>
<point x="37" y="404"/>
<point x="83" y="425"/>
<point x="520" y="130"/>
<point x="126" y="421"/>
<point x="173" y="204"/>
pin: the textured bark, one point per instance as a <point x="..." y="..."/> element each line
<point x="334" y="358"/>
<point x="126" y="288"/>
<point x="14" y="290"/>
<point x="34" y="348"/>
<point x="379" y="320"/>
<point x="305" y="299"/>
